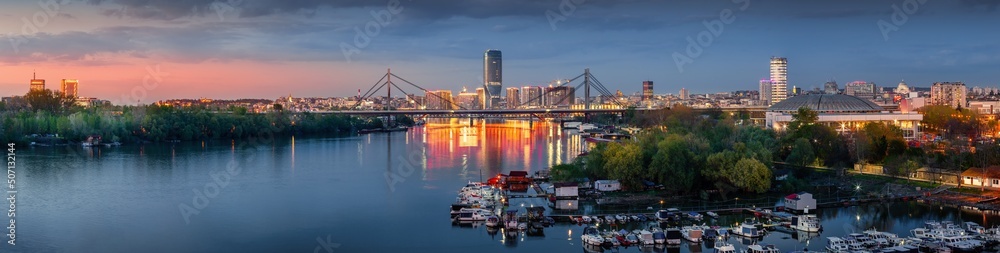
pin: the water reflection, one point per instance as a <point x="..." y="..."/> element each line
<point x="500" y="146"/>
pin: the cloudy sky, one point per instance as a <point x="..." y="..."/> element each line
<point x="147" y="50"/>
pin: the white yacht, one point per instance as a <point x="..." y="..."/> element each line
<point x="748" y="230"/>
<point x="865" y="241"/>
<point x="591" y="236"/>
<point x="646" y="237"/>
<point x="473" y="214"/>
<point x="974" y="228"/>
<point x="692" y="233"/>
<point x="836" y="245"/>
<point x="882" y="239"/>
<point x="724" y="247"/>
<point x="586" y="126"/>
<point x="757" y="248"/>
<point x="807" y="223"/>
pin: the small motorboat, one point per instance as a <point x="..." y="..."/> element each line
<point x="712" y="214"/>
<point x="695" y="216"/>
<point x="748" y="230"/>
<point x="674" y="236"/>
<point x="621" y="218"/>
<point x="590" y="236"/>
<point x="646" y="237"/>
<point x="492" y="221"/>
<point x="632" y="239"/>
<point x="724" y="247"/>
<point x="757" y="248"/>
<point x="692" y="233"/>
<point x="586" y="219"/>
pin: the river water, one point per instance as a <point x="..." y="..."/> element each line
<point x="371" y="193"/>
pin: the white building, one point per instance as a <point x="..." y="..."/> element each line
<point x="607" y="185"/>
<point x="801" y="202"/>
<point x="779" y="79"/>
<point x="842" y="112"/>
<point x="765" y="91"/>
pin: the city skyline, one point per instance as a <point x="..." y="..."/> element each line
<point x="205" y="48"/>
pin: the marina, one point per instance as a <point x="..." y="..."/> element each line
<point x="671" y="227"/>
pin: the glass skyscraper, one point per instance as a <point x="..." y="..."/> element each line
<point x="492" y="78"/>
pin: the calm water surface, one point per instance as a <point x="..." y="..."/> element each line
<point x="373" y="193"/>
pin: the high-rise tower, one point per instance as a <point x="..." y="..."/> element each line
<point x="37" y="84"/>
<point x="765" y="91"/>
<point x="779" y="79"/>
<point x="70" y="88"/>
<point x="492" y="78"/>
<point x="647" y="90"/>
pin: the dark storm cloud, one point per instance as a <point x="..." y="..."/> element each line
<point x="283" y="41"/>
<point x="983" y="5"/>
<point x="437" y="9"/>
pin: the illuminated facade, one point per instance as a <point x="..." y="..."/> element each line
<point x="684" y="93"/>
<point x="647" y="90"/>
<point x="37" y="84"/>
<point x="70" y="87"/>
<point x="842" y="112"/>
<point x="560" y="96"/>
<point x="531" y="96"/>
<point x="513" y="97"/>
<point x="439" y="100"/>
<point x="468" y="100"/>
<point x="861" y="89"/>
<point x="949" y="93"/>
<point x="480" y="98"/>
<point x="779" y="79"/>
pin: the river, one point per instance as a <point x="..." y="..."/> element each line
<point x="373" y="193"/>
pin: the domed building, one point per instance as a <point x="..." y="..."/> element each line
<point x="902" y="89"/>
<point x="843" y="112"/>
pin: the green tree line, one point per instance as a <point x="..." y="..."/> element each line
<point x="50" y="114"/>
<point x="686" y="151"/>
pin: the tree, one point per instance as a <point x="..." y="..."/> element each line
<point x="678" y="161"/>
<point x="902" y="165"/>
<point x="46" y="100"/>
<point x="566" y="172"/>
<point x="752" y="175"/>
<point x="803" y="117"/>
<point x="278" y="107"/>
<point x="802" y="153"/>
<point x="624" y="164"/>
<point x="594" y="167"/>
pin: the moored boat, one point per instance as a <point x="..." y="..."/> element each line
<point x="692" y="233"/>
<point x="836" y="245"/>
<point x="807" y="223"/>
<point x="748" y="230"/>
